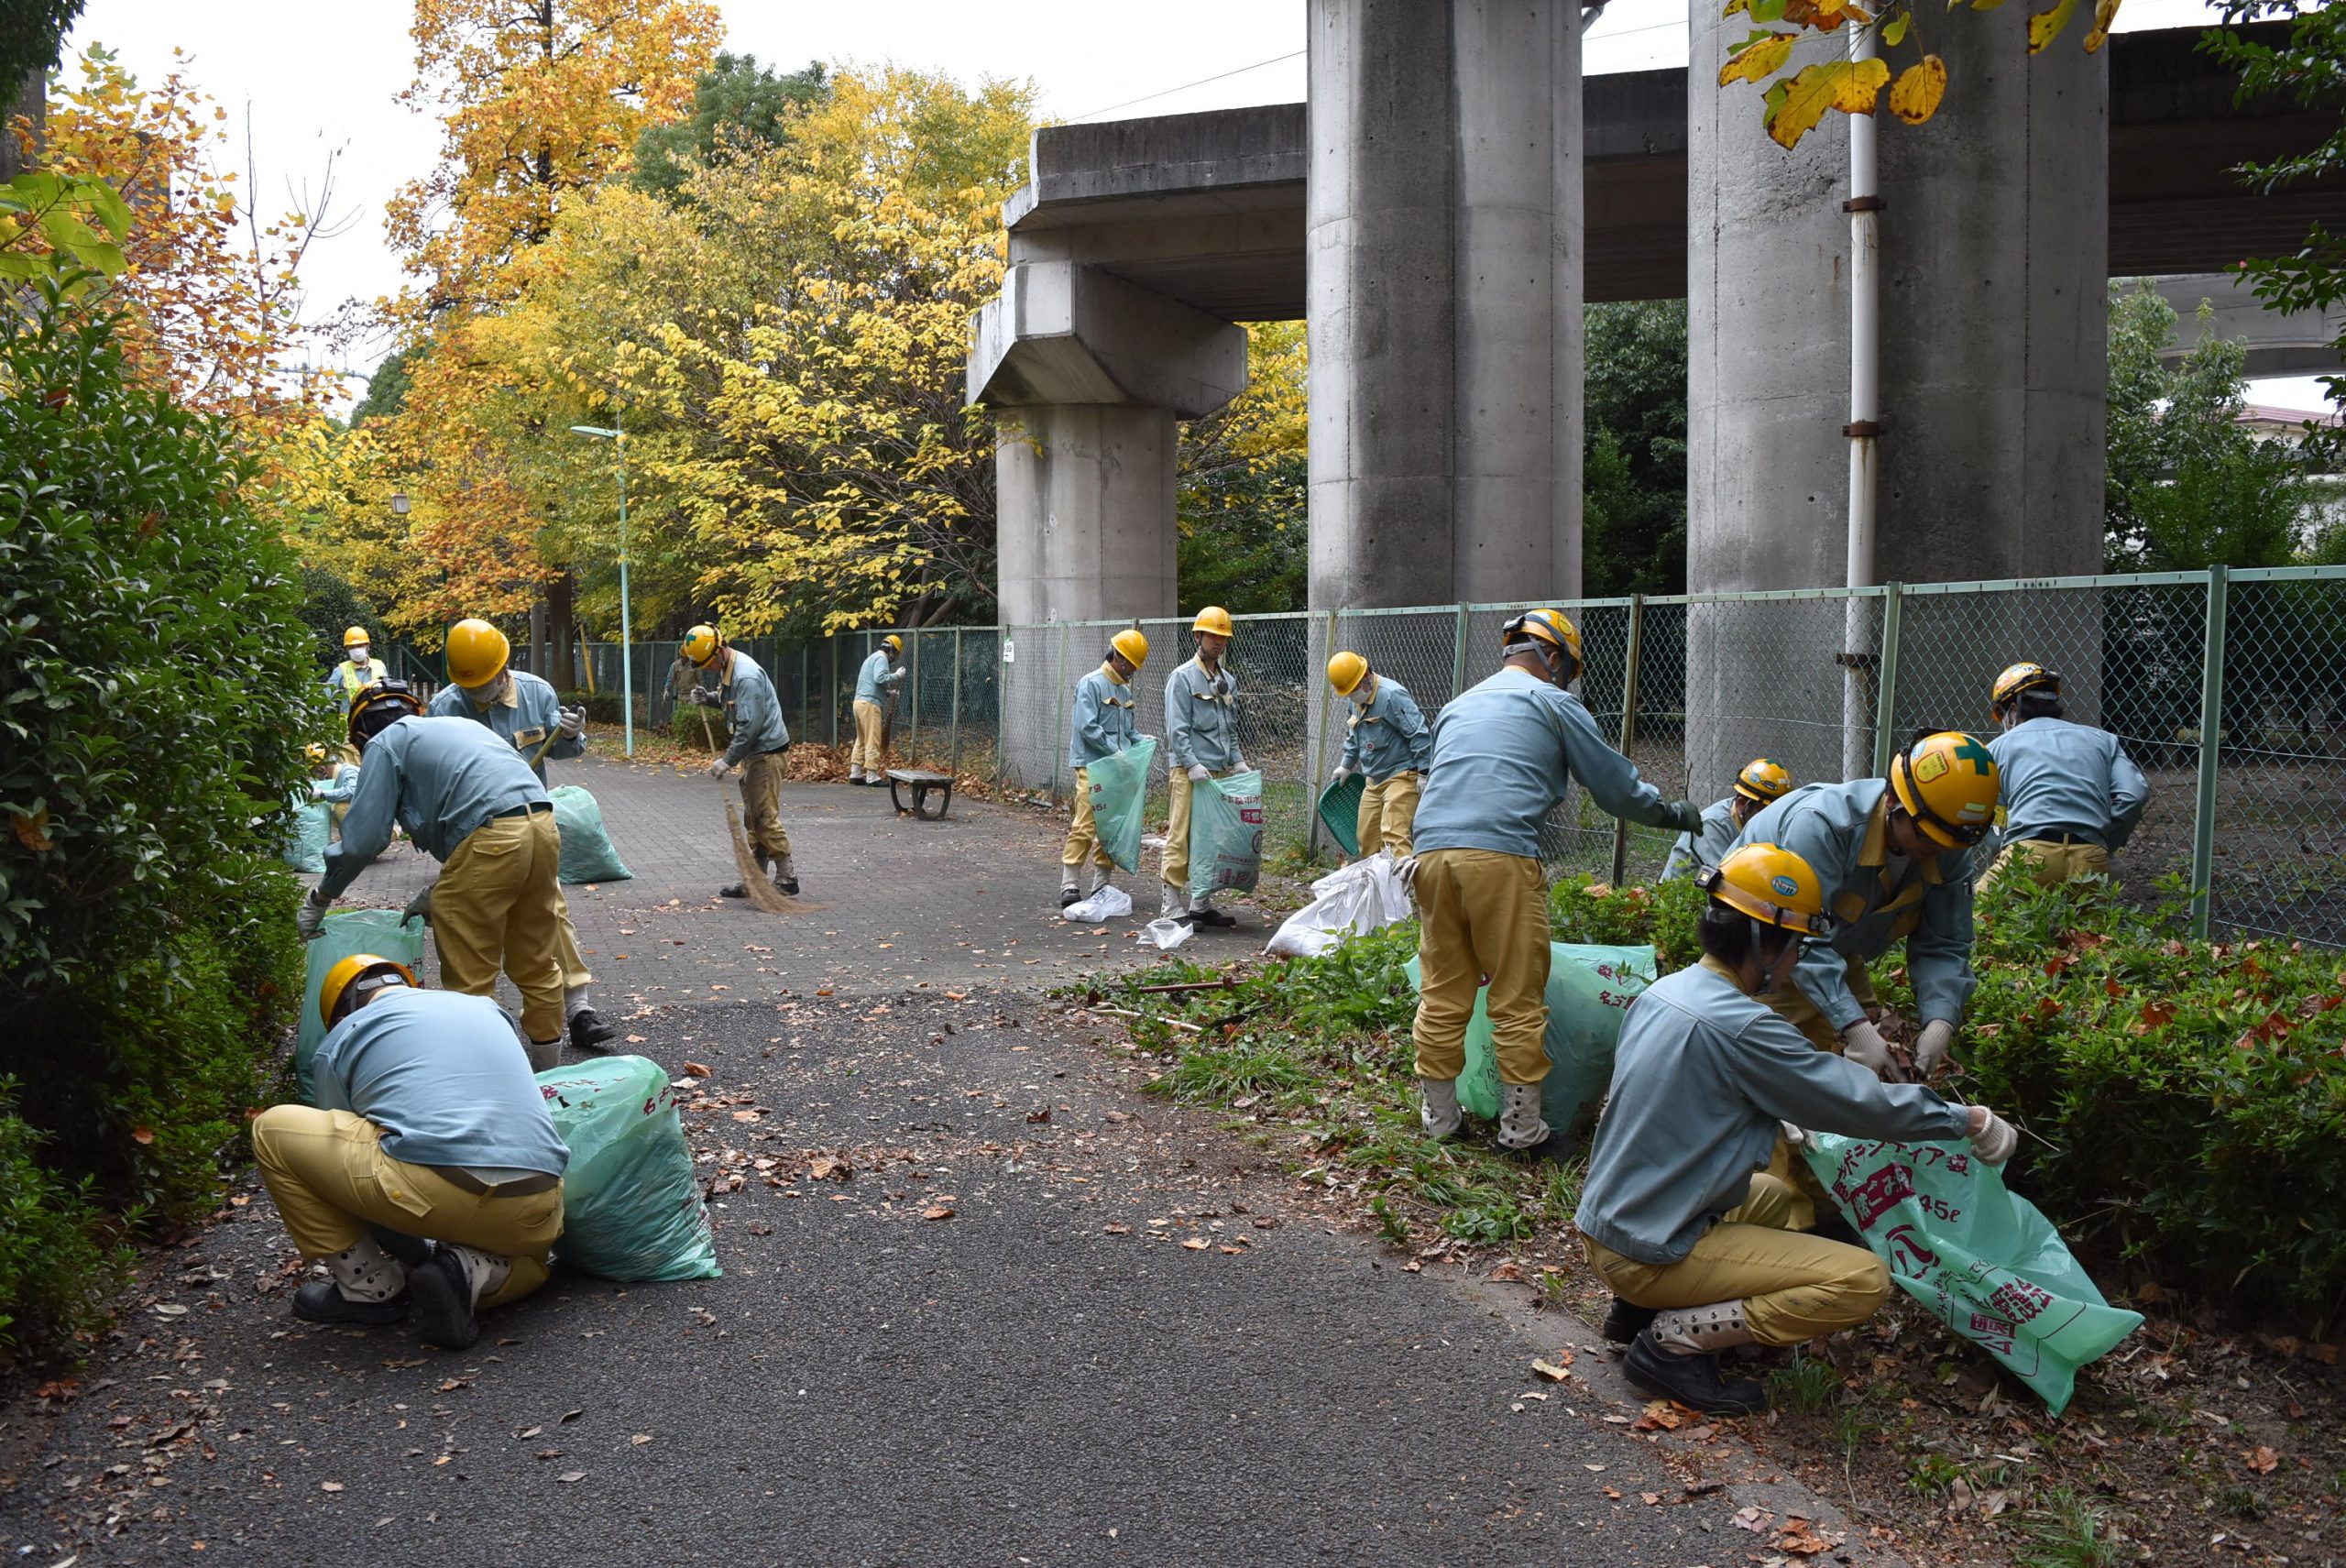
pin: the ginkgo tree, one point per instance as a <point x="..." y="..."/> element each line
<point x="1796" y="100"/>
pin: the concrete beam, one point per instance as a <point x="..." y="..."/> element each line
<point x="2300" y="345"/>
<point x="1062" y="333"/>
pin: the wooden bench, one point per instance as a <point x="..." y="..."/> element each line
<point x="922" y="782"/>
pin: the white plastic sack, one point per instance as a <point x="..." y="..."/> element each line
<point x="1110" y="903"/>
<point x="1167" y="933"/>
<point x="1364" y="896"/>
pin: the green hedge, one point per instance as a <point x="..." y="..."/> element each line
<point x="154" y="684"/>
<point x="703" y="728"/>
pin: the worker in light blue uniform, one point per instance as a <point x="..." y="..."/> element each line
<point x="524" y="711"/>
<point x="1505" y="753"/>
<point x="2071" y="794"/>
<point x="875" y="693"/>
<point x="753" y="718"/>
<point x="468" y="800"/>
<point x="1387" y="741"/>
<point x="1101" y="726"/>
<point x="1201" y="743"/>
<point x="1761" y="784"/>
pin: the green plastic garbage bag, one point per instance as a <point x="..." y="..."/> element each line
<point x="630" y="1205"/>
<point x="344" y="932"/>
<point x="587" y="852"/>
<point x="1981" y="1259"/>
<point x="1119" y="788"/>
<point x="1340" y="812"/>
<point x="1589" y="988"/>
<point x="305" y="848"/>
<point x="1225" y="834"/>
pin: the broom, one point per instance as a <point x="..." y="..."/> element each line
<point x="754" y="880"/>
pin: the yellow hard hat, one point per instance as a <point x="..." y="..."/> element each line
<point x="340" y="979"/>
<point x="1345" y="672"/>
<point x="702" y="645"/>
<point x="1947" y="782"/>
<point x="377" y="707"/>
<point x="315" y="752"/>
<point x="1770" y="882"/>
<point x="2019" y="678"/>
<point x="1763" y="781"/>
<point x="476" y="653"/>
<point x="353" y="636"/>
<point x="1549" y="626"/>
<point x="1132" y="644"/>
<point x="896" y="644"/>
<point x="1213" y="618"/>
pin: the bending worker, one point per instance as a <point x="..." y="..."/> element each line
<point x="1678" y="1221"/>
<point x="1894" y="856"/>
<point x="1386" y="739"/>
<point x="2070" y="792"/>
<point x="467" y="798"/>
<point x="1101" y="726"/>
<point x="428" y="1123"/>
<point x="1504" y="754"/>
<point x="359" y="670"/>
<point x="876" y="686"/>
<point x="523" y="712"/>
<point x="1760" y="783"/>
<point x="1201" y="743"/>
<point x="753" y="718"/>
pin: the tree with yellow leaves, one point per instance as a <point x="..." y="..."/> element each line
<point x="1240" y="500"/>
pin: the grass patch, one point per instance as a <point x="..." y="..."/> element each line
<point x="2067" y="1532"/>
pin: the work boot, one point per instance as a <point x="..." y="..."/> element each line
<point x="322" y="1302"/>
<point x="1691" y="1377"/>
<point x="855" y="776"/>
<point x="1437" y="1107"/>
<point x="1203" y="912"/>
<point x="448" y="1287"/>
<point x="370" y="1286"/>
<point x="588" y="1029"/>
<point x="1522" y="1126"/>
<point x="1068" y="895"/>
<point x="734" y="890"/>
<point x="1173" y="904"/>
<point x="1625" y="1321"/>
<point x="785" y="876"/>
<point x="1101" y="877"/>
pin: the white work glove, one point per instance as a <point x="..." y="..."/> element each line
<point x="1992" y="1138"/>
<point x="717" y="769"/>
<point x="312" y="915"/>
<point x="1796" y="1136"/>
<point x="1339" y="775"/>
<point x="1931" y="1046"/>
<point x="700" y="697"/>
<point x="574" y="723"/>
<point x="317" y="789"/>
<point x="1238" y="763"/>
<point x="1198" y="773"/>
<point x="1863" y="1044"/>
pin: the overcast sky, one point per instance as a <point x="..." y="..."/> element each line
<point x="315" y="80"/>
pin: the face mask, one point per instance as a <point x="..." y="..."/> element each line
<point x="1361" y="697"/>
<point x="358" y="653"/>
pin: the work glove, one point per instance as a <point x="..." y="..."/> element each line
<point x="1238" y="763"/>
<point x="1796" y="1136"/>
<point x="1686" y="816"/>
<point x="419" y="906"/>
<point x="1992" y="1138"/>
<point x="1863" y="1044"/>
<point x="574" y="723"/>
<point x="1892" y="1023"/>
<point x="1931" y="1046"/>
<point x="1339" y="775"/>
<point x="718" y="769"/>
<point x="1198" y="773"/>
<point x="312" y="914"/>
<point x="700" y="697"/>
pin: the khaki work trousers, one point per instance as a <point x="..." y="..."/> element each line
<point x="870" y="750"/>
<point x="574" y="972"/>
<point x="1083" y="833"/>
<point x="1791" y="1004"/>
<point x="1793" y="1287"/>
<point x="331" y="1180"/>
<point x="498" y="903"/>
<point x="2050" y="864"/>
<point x="1389" y="809"/>
<point x="1482" y="914"/>
<point x="761" y="805"/>
<point x="1177" y="826"/>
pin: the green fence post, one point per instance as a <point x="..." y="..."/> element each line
<point x="1315" y="755"/>
<point x="1059" y="719"/>
<point x="954" y="766"/>
<point x="1885" y="688"/>
<point x="912" y="679"/>
<point x="1458" y="655"/>
<point x="1628" y="727"/>
<point x="831" y="697"/>
<point x="2211" y="729"/>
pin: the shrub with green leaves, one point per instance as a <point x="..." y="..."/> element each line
<point x="155" y="697"/>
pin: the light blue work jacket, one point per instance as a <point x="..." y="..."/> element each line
<point x="753" y="710"/>
<point x="528" y="713"/>
<point x="2059" y="777"/>
<point x="1101" y="723"/>
<point x="1386" y="735"/>
<point x="444" y="1077"/>
<point x="438" y="778"/>
<point x="1202" y="719"/>
<point x="876" y="681"/>
<point x="1701" y="852"/>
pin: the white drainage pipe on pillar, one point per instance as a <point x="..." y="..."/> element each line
<point x="1861" y="639"/>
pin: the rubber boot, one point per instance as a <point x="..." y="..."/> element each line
<point x="1437" y="1107"/>
<point x="1068" y="894"/>
<point x="588" y="1030"/>
<point x="1678" y="1358"/>
<point x="1522" y="1126"/>
<point x="369" y="1287"/>
<point x="785" y="875"/>
<point x="448" y="1288"/>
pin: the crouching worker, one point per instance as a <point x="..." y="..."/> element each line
<point x="1679" y="1217"/>
<point x="429" y="1124"/>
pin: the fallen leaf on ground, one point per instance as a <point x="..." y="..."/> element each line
<point x="1550" y="1371"/>
<point x="936" y="1212"/>
<point x="572" y="1475"/>
<point x="694" y="1069"/>
<point x="1197" y="1244"/>
<point x="2263" y="1460"/>
<point x="640" y="1439"/>
<point x="329" y="1486"/>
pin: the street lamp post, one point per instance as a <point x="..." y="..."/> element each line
<point x="627" y="660"/>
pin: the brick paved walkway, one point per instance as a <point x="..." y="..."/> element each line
<point x="889" y="902"/>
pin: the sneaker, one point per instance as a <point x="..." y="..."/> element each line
<point x="322" y="1302"/>
<point x="444" y="1301"/>
<point x="1625" y="1321"/>
<point x="591" y="1032"/>
<point x="1068" y="897"/>
<point x="1694" y="1381"/>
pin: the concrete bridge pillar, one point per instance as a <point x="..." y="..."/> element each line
<point x="1994" y="246"/>
<point x="1442" y="270"/>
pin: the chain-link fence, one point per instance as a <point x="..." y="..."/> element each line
<point x="1828" y="681"/>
